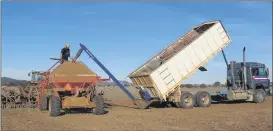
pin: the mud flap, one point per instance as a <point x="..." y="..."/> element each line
<point x="144" y="94"/>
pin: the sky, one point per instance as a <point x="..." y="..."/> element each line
<point x="124" y="35"/>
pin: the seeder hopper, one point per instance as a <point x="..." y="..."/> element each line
<point x="69" y="85"/>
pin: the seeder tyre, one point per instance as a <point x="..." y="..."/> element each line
<point x="99" y="109"/>
<point x="43" y="103"/>
<point x="54" y="106"/>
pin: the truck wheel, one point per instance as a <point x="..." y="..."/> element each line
<point x="186" y="100"/>
<point x="203" y="99"/>
<point x="54" y="106"/>
<point x="195" y="98"/>
<point x="43" y="103"/>
<point x="99" y="109"/>
<point x="259" y="96"/>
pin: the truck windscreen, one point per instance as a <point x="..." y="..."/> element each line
<point x="258" y="71"/>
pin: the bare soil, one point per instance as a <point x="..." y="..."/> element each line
<point x="123" y="116"/>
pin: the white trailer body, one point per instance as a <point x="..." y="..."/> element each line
<point x="166" y="71"/>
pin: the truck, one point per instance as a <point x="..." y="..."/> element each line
<point x="159" y="79"/>
<point x="247" y="81"/>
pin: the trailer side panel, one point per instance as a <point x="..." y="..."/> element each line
<point x="183" y="64"/>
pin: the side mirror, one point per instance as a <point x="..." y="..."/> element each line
<point x="267" y="72"/>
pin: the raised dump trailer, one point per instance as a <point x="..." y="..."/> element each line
<point x="160" y="77"/>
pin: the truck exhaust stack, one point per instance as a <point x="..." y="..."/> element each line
<point x="244" y="61"/>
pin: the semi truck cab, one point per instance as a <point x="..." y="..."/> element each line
<point x="260" y="77"/>
<point x="257" y="76"/>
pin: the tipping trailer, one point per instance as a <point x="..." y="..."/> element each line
<point x="160" y="77"/>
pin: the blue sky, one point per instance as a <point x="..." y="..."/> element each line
<point x="124" y="35"/>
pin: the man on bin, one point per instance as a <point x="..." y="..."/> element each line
<point x="65" y="54"/>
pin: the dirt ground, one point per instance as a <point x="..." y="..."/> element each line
<point x="123" y="116"/>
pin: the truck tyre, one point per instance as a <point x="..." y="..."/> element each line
<point x="54" y="106"/>
<point x="203" y="99"/>
<point x="99" y="102"/>
<point x="186" y="100"/>
<point x="194" y="98"/>
<point x="43" y="103"/>
<point x="258" y="96"/>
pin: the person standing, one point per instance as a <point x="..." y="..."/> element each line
<point x="65" y="53"/>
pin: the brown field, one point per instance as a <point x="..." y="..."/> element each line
<point x="123" y="116"/>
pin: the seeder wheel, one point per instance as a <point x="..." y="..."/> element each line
<point x="99" y="101"/>
<point x="43" y="103"/>
<point x="54" y="106"/>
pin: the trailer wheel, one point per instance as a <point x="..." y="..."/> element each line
<point x="194" y="98"/>
<point x="54" y="106"/>
<point x="203" y="99"/>
<point x="259" y="96"/>
<point x="99" y="109"/>
<point x="186" y="100"/>
<point x="43" y="103"/>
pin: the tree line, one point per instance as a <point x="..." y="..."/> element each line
<point x="215" y="84"/>
<point x="6" y="81"/>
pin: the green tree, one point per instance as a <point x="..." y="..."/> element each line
<point x="216" y="84"/>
